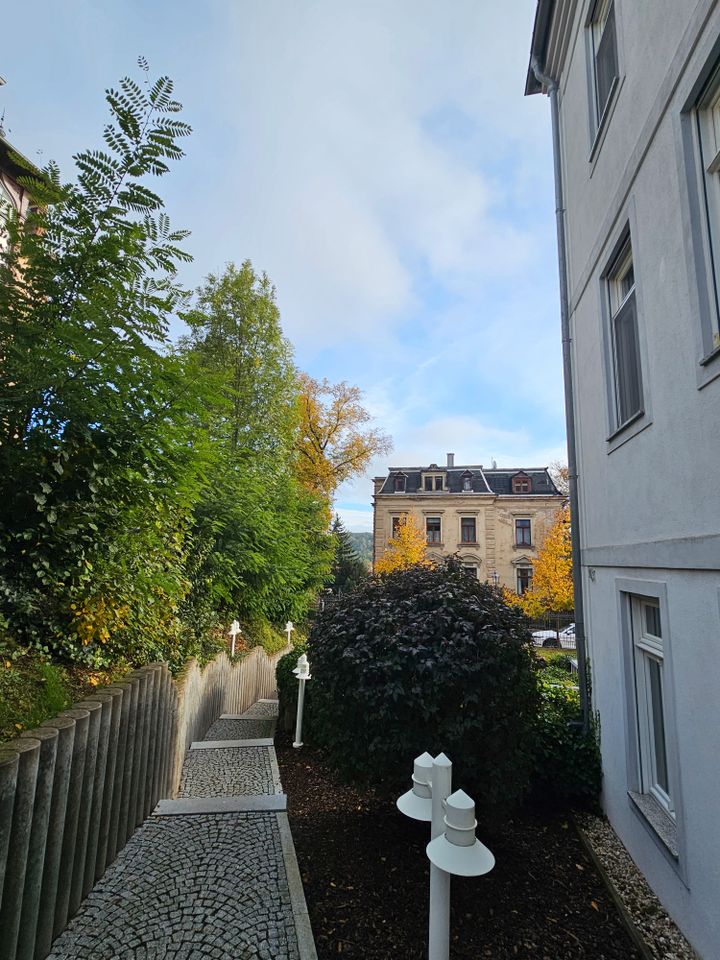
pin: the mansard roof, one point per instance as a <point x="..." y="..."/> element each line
<point x="493" y="481"/>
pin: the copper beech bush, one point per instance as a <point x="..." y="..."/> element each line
<point x="426" y="658"/>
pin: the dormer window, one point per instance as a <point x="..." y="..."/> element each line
<point x="521" y="483"/>
<point x="399" y="483"/>
<point x="433" y="481"/>
<point x="467" y="482"/>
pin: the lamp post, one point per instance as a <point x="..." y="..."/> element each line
<point x="302" y="672"/>
<point x="234" y="631"/>
<point x="453" y="847"/>
<point x="289" y="627"/>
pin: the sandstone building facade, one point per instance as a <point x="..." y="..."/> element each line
<point x="493" y="519"/>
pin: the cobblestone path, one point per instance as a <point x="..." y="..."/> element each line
<point x="204" y="884"/>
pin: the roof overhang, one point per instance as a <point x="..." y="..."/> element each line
<point x="538" y="48"/>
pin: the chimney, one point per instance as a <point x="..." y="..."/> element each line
<point x="450" y="460"/>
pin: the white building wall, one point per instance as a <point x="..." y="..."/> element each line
<point x="650" y="501"/>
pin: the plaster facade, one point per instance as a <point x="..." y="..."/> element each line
<point x="500" y="545"/>
<point x="649" y="515"/>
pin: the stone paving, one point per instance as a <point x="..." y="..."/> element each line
<point x="228" y="772"/>
<point x="223" y="886"/>
<point x="241" y="729"/>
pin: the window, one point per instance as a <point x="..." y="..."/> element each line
<point x="627" y="376"/>
<point x="467" y="481"/>
<point x="708" y="125"/>
<point x="471" y="568"/>
<point x="524" y="579"/>
<point x="650" y="701"/>
<point x="399" y="483"/>
<point x="521" y="484"/>
<point x="522" y="532"/>
<point x="432" y="529"/>
<point x="396" y="522"/>
<point x="467" y="530"/>
<point x="604" y="54"/>
<point x="432" y="482"/>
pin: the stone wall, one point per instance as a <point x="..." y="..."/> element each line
<point x="74" y="791"/>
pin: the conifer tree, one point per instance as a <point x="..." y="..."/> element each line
<point x="348" y="569"/>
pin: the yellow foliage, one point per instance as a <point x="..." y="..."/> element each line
<point x="333" y="444"/>
<point x="552" y="586"/>
<point x="406" y="549"/>
<point x="97" y="618"/>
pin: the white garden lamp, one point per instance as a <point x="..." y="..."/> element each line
<point x="289" y="627"/>
<point x="453" y="848"/>
<point x="234" y="631"/>
<point x="302" y="672"/>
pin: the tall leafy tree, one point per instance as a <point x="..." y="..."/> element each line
<point x="335" y="441"/>
<point x="96" y="476"/>
<point x="348" y="569"/>
<point x="269" y="546"/>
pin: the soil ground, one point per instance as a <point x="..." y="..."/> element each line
<point x="366" y="879"/>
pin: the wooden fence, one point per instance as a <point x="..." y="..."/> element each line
<point x="75" y="790"/>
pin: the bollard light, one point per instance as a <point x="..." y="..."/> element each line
<point x="302" y="672"/>
<point x="453" y="848"/>
<point x="234" y="631"/>
<point x="457" y="850"/>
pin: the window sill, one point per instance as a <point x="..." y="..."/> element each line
<point x="468" y="543"/>
<point x="709" y="368"/>
<point x="523" y="546"/>
<point x="663" y="826"/>
<point x="636" y="424"/>
<point x="434" y="543"/>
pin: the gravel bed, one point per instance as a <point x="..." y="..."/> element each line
<point x="660" y="933"/>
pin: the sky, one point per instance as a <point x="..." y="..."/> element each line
<point x="377" y="158"/>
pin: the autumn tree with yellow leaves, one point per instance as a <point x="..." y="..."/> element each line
<point x="407" y="548"/>
<point x="334" y="442"/>
<point x="552" y="585"/>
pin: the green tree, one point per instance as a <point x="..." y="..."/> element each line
<point x="96" y="475"/>
<point x="348" y="569"/>
<point x="260" y="537"/>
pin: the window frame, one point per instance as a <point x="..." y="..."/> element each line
<point x="602" y="15"/>
<point x="667" y="832"/>
<point x="521" y="481"/>
<point x="619" y="433"/>
<point x="399" y="478"/>
<point x="648" y="659"/>
<point x="465" y="520"/>
<point x="622" y="302"/>
<point x="523" y="568"/>
<point x="433" y="518"/>
<point x="523" y="520"/>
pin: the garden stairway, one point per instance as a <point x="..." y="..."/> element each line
<point x="210" y="874"/>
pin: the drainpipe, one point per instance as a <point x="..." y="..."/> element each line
<point x="552" y="89"/>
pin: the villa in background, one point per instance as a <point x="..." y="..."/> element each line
<point x="635" y="88"/>
<point x="493" y="519"/>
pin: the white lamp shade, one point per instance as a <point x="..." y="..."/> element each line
<point x="417" y="803"/>
<point x="471" y="861"/>
<point x="457" y="850"/>
<point x="415" y="807"/>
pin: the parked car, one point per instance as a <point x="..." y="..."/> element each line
<point x="551" y="638"/>
<point x="545" y="638"/>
